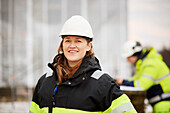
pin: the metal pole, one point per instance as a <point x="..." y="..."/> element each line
<point x="104" y="34"/>
<point x="10" y="47"/>
<point x="123" y="36"/>
<point x="0" y="45"/>
<point x="45" y="35"/>
<point x="9" y="41"/>
<point x="29" y="40"/>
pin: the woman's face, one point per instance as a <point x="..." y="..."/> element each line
<point x="75" y="48"/>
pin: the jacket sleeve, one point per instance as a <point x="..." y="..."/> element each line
<point x="147" y="74"/>
<point x="35" y="100"/>
<point x="113" y="99"/>
<point x="128" y="83"/>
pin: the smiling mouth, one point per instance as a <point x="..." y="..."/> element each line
<point x="72" y="51"/>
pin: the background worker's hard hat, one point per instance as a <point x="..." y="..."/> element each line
<point x="130" y="48"/>
<point x="78" y="26"/>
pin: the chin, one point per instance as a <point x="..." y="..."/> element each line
<point x="73" y="59"/>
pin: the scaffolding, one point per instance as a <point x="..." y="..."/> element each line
<point x="29" y="35"/>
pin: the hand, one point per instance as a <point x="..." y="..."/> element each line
<point x="119" y="81"/>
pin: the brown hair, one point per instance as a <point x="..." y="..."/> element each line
<point x="61" y="65"/>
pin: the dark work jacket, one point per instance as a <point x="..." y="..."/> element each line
<point x="81" y="91"/>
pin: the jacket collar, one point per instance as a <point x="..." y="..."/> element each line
<point x="142" y="56"/>
<point x="88" y="64"/>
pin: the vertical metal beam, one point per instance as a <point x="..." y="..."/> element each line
<point x="104" y="33"/>
<point x="123" y="37"/>
<point x="45" y="34"/>
<point x="0" y="44"/>
<point x="29" y="45"/>
<point x="10" y="61"/>
<point x="29" y="48"/>
<point x="10" y="49"/>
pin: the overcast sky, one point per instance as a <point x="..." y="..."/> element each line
<point x="149" y="22"/>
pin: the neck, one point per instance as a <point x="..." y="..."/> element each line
<point x="74" y="69"/>
<point x="74" y="64"/>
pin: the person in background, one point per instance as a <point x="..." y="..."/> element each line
<point x="151" y="74"/>
<point x="77" y="84"/>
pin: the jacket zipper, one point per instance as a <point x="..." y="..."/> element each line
<point x="53" y="100"/>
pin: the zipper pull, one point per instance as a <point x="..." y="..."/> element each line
<point x="55" y="90"/>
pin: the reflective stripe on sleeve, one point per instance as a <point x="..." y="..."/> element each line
<point x="123" y="108"/>
<point x="156" y="80"/>
<point x="162" y="77"/>
<point x="165" y="95"/>
<point x="158" y="97"/>
<point x="147" y="76"/>
<point x="121" y="105"/>
<point x="154" y="99"/>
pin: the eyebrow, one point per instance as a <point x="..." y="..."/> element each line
<point x="70" y="37"/>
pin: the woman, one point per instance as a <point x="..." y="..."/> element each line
<point x="77" y="84"/>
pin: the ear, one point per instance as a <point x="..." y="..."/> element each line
<point x="89" y="46"/>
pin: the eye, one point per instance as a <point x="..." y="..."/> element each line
<point x="67" y="41"/>
<point x="79" y="41"/>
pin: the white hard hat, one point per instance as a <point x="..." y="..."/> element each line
<point x="131" y="47"/>
<point x="78" y="26"/>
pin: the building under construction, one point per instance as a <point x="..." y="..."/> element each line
<point x="29" y="38"/>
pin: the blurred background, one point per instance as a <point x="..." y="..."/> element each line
<point x="29" y="38"/>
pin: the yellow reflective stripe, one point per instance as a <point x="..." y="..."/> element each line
<point x="123" y="99"/>
<point x="36" y="109"/>
<point x="65" y="110"/>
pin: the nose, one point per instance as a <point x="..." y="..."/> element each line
<point x="128" y="59"/>
<point x="72" y="44"/>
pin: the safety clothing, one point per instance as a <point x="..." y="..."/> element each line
<point x="130" y="48"/>
<point x="77" y="25"/>
<point x="89" y="90"/>
<point x="162" y="107"/>
<point x="153" y="75"/>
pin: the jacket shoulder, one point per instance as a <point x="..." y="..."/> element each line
<point x="97" y="74"/>
<point x="104" y="81"/>
<point x="100" y="75"/>
<point x="41" y="79"/>
<point x="106" y="87"/>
